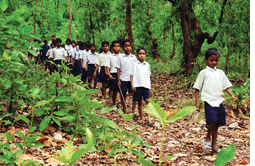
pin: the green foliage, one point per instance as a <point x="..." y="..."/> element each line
<point x="67" y="153"/>
<point x="225" y="155"/>
<point x="29" y="140"/>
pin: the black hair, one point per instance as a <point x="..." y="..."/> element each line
<point x="92" y="44"/>
<point x="81" y="45"/>
<point x="101" y="50"/>
<point x="211" y="51"/>
<point x="111" y="46"/>
<point x="73" y="42"/>
<point x="139" y="49"/>
<point x="79" y="42"/>
<point x="62" y="45"/>
<point x="116" y="41"/>
<point x="68" y="40"/>
<point x="53" y="42"/>
<point x="58" y="40"/>
<point x="45" y="41"/>
<point x="125" y="41"/>
<point x="105" y="42"/>
<point x="53" y="36"/>
<point x="87" y="43"/>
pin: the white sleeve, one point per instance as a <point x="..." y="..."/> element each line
<point x="64" y="52"/>
<point x="51" y="54"/>
<point x="199" y="81"/>
<point x="149" y="68"/>
<point x="226" y="82"/>
<point x="132" y="68"/>
<point x="117" y="64"/>
<point x="107" y="62"/>
<point x="98" y="60"/>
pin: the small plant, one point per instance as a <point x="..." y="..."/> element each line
<point x="155" y="110"/>
<point x="67" y="154"/>
<point x="225" y="155"/>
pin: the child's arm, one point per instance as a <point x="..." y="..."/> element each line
<point x="82" y="64"/>
<point x="95" y="72"/>
<point x="131" y="80"/>
<point x="197" y="99"/>
<point x="118" y="73"/>
<point x="231" y="94"/>
<point x="87" y="66"/>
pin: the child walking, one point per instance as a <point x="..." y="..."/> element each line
<point x="123" y="64"/>
<point x="100" y="61"/>
<point x="111" y="71"/>
<point x="90" y="63"/>
<point x="212" y="81"/>
<point x="140" y="81"/>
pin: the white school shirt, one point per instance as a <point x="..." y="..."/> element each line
<point x="91" y="58"/>
<point x="48" y="52"/>
<point x="141" y="74"/>
<point x="212" y="82"/>
<point x="100" y="61"/>
<point x="73" y="52"/>
<point x="68" y="49"/>
<point x="110" y="62"/>
<point x="124" y="63"/>
<point x="78" y="55"/>
<point x="58" y="53"/>
<point x="83" y="56"/>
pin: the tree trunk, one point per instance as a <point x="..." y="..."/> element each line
<point x="71" y="19"/>
<point x="228" y="56"/>
<point x="154" y="40"/>
<point x="173" y="51"/>
<point x="129" y="24"/>
<point x="35" y="17"/>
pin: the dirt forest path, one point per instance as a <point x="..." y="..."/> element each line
<point x="184" y="137"/>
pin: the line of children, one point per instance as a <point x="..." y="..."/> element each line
<point x="91" y="66"/>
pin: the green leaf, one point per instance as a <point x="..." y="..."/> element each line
<point x="108" y="122"/>
<point x="4" y="4"/>
<point x="145" y="162"/>
<point x="26" y="29"/>
<point x="60" y="113"/>
<point x="182" y="113"/>
<point x="8" y="84"/>
<point x="90" y="104"/>
<point x="33" y="52"/>
<point x="79" y="153"/>
<point x="115" y="159"/>
<point x="38" y="144"/>
<point x="18" y="145"/>
<point x="137" y="141"/>
<point x="87" y="92"/>
<point x="35" y="90"/>
<point x="44" y="123"/>
<point x="121" y="150"/>
<point x="4" y="159"/>
<point x="41" y="103"/>
<point x="122" y="114"/>
<point x="225" y="155"/>
<point x="106" y="109"/>
<point x="66" y="153"/>
<point x="129" y="117"/>
<point x="32" y="129"/>
<point x="64" y="99"/>
<point x="22" y="117"/>
<point x="9" y="136"/>
<point x="13" y="22"/>
<point x="56" y="120"/>
<point x="155" y="110"/>
<point x="168" y="158"/>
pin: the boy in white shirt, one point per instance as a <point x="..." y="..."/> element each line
<point x="83" y="56"/>
<point x="90" y="65"/>
<point x="111" y="71"/>
<point x="123" y="64"/>
<point x="100" y="61"/>
<point x="140" y="81"/>
<point x="212" y="82"/>
<point x="58" y="54"/>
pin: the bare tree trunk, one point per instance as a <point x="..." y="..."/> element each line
<point x="173" y="51"/>
<point x="129" y="24"/>
<point x="154" y="40"/>
<point x="71" y="19"/>
<point x="35" y="17"/>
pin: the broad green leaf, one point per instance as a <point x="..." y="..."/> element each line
<point x="129" y="117"/>
<point x="41" y="103"/>
<point x="56" y="120"/>
<point x="38" y="144"/>
<point x="20" y="134"/>
<point x="108" y="122"/>
<point x="32" y="129"/>
<point x="145" y="162"/>
<point x="90" y="104"/>
<point x="4" y="4"/>
<point x="64" y="99"/>
<point x="44" y="123"/>
<point x="65" y="153"/>
<point x="106" y="109"/>
<point x="137" y="141"/>
<point x="13" y="22"/>
<point x="91" y="91"/>
<point x="22" y="117"/>
<point x="33" y="52"/>
<point x="225" y="155"/>
<point x="60" y="113"/>
<point x="182" y="113"/>
<point x="80" y="152"/>
<point x="121" y="150"/>
<point x="122" y="114"/>
<point x="26" y="29"/>
<point x="4" y="159"/>
<point x="168" y="158"/>
<point x="8" y="84"/>
<point x="35" y="90"/>
<point x="9" y="136"/>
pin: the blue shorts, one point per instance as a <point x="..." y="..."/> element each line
<point x="102" y="76"/>
<point x="125" y="87"/>
<point x="57" y="62"/>
<point x="113" y="83"/>
<point x="91" y="69"/>
<point x="77" y="68"/>
<point x="141" y="92"/>
<point x="215" y="114"/>
<point x="84" y="73"/>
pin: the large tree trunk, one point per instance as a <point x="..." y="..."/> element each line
<point x="35" y="17"/>
<point x="193" y="36"/>
<point x="154" y="40"/>
<point x="173" y="51"/>
<point x="71" y="19"/>
<point x="129" y="25"/>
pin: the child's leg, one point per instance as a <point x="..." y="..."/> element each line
<point x="89" y="81"/>
<point x="104" y="89"/>
<point x="214" y="138"/>
<point x="211" y="127"/>
<point x="140" y="108"/>
<point x="147" y="102"/>
<point x="123" y="102"/>
<point x="114" y="95"/>
<point x="133" y="107"/>
<point x="95" y="82"/>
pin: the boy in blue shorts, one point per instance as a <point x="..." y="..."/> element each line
<point x="212" y="82"/>
<point x="111" y="71"/>
<point x="91" y="66"/>
<point x="123" y="64"/>
<point x="140" y="81"/>
<point x="100" y="63"/>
